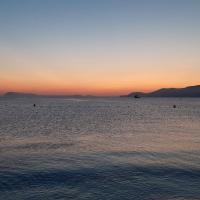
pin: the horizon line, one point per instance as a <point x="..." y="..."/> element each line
<point x="89" y="94"/>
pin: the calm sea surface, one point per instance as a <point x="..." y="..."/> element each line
<point x="104" y="148"/>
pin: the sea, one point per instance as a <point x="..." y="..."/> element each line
<point x="99" y="148"/>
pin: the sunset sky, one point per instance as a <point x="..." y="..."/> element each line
<point x="99" y="47"/>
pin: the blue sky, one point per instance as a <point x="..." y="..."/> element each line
<point x="98" y="46"/>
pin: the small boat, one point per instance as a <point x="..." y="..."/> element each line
<point x="136" y="97"/>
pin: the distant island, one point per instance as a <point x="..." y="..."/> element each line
<point x="27" y="95"/>
<point x="191" y="91"/>
<point x="19" y="94"/>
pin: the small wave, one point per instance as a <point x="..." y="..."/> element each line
<point x="36" y="146"/>
<point x="127" y="182"/>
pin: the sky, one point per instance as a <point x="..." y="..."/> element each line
<point x="98" y="47"/>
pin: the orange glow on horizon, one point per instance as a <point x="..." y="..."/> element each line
<point x="102" y="84"/>
<point x="106" y="91"/>
<point x="98" y="90"/>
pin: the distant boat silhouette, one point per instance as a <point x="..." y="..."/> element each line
<point x="136" y="97"/>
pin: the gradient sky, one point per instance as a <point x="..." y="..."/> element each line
<point x="100" y="47"/>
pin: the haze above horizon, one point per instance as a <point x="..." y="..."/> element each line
<point x="107" y="47"/>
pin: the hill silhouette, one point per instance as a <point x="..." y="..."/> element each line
<point x="19" y="94"/>
<point x="191" y="91"/>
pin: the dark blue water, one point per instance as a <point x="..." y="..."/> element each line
<point x="104" y="148"/>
